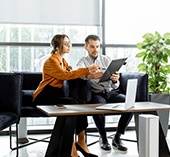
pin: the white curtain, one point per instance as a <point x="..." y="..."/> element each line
<point x="67" y="12"/>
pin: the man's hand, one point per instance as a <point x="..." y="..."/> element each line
<point x="94" y="75"/>
<point x="115" y="77"/>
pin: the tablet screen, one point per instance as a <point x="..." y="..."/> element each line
<point x="114" y="66"/>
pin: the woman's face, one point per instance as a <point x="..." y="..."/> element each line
<point x="66" y="45"/>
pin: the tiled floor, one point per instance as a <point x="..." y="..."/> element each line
<point x="39" y="149"/>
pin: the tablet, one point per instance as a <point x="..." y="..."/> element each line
<point x="114" y="66"/>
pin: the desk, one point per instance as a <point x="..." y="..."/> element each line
<point x="62" y="135"/>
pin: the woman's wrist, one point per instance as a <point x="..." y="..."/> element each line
<point x="93" y="67"/>
<point x="89" y="68"/>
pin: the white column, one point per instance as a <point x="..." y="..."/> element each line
<point x="148" y="135"/>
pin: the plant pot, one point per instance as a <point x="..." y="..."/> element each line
<point x="164" y="114"/>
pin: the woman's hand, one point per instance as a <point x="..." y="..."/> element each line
<point x="95" y="75"/>
<point x="93" y="67"/>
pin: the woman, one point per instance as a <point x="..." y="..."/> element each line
<point x="55" y="71"/>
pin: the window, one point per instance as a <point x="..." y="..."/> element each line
<point x="127" y="21"/>
<point x="25" y="47"/>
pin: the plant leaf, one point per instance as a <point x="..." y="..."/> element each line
<point x="166" y="36"/>
<point x="167" y="41"/>
<point x="140" y="54"/>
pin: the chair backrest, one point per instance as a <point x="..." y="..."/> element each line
<point x="142" y="87"/>
<point x="10" y="93"/>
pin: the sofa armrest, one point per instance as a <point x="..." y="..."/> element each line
<point x="142" y="87"/>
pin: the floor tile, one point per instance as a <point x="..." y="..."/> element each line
<point x="39" y="149"/>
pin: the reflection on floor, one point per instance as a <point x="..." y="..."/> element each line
<point x="39" y="149"/>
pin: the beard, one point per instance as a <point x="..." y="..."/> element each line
<point x="94" y="55"/>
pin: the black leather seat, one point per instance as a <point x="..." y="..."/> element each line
<point x="10" y="102"/>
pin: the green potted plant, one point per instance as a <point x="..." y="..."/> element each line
<point x="155" y="52"/>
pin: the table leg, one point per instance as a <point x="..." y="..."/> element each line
<point x="62" y="137"/>
<point x="136" y="117"/>
<point x="22" y="131"/>
<point x="163" y="146"/>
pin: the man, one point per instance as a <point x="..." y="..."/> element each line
<point x="105" y="92"/>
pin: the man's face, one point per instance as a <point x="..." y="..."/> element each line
<point x="93" y="48"/>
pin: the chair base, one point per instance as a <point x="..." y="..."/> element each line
<point x="33" y="142"/>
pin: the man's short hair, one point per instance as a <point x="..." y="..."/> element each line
<point x="92" y="37"/>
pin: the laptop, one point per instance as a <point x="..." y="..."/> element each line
<point x="129" y="101"/>
<point x="114" y="66"/>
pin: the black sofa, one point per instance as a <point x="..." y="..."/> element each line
<point x="71" y="89"/>
<point x="31" y="81"/>
<point x="77" y="89"/>
<point x="142" y="87"/>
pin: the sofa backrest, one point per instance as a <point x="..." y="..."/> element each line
<point x="81" y="89"/>
<point x="142" y="87"/>
<point x="31" y="80"/>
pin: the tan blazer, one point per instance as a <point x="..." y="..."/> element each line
<point x="54" y="74"/>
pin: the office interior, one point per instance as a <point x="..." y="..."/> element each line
<point x="27" y="27"/>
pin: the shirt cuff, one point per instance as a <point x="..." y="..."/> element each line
<point x="116" y="84"/>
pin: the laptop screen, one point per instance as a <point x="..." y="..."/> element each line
<point x="131" y="93"/>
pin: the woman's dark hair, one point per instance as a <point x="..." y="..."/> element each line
<point x="57" y="41"/>
<point x="92" y="37"/>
